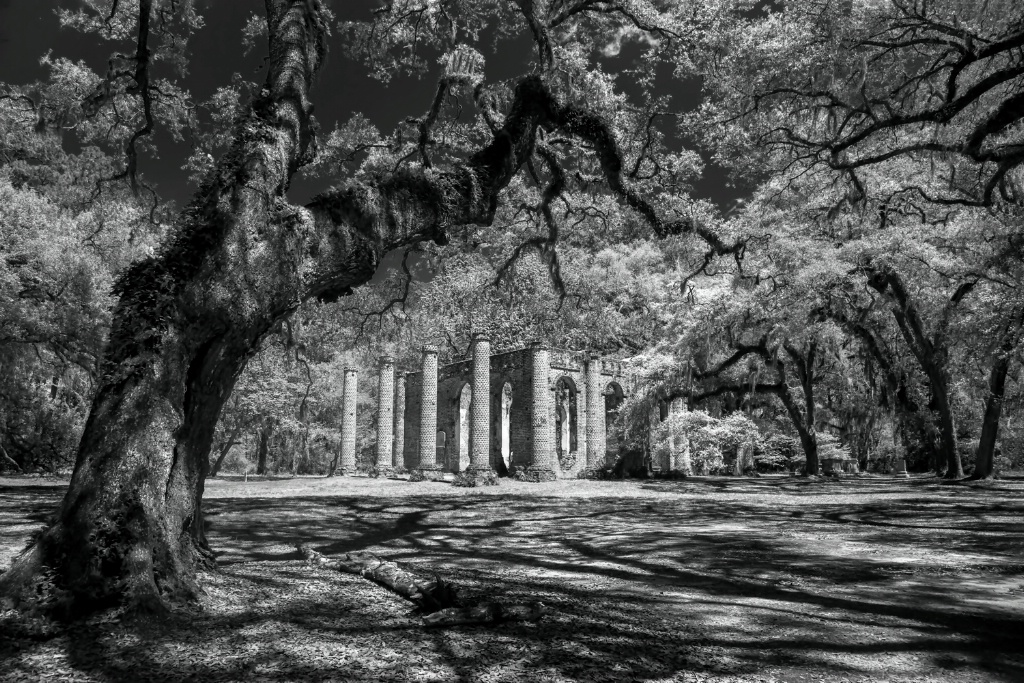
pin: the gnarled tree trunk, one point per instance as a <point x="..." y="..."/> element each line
<point x="240" y="259"/>
<point x="130" y="527"/>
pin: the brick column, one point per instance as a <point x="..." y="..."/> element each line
<point x="385" y="413"/>
<point x="542" y="461"/>
<point x="480" y="414"/>
<point x="428" y="466"/>
<point x="349" y="398"/>
<point x="398" y="457"/>
<point x="480" y="408"/>
<point x="595" y="414"/>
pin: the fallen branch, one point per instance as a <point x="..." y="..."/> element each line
<point x="430" y="593"/>
<point x="438" y="598"/>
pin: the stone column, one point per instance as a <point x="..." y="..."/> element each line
<point x="385" y="413"/>
<point x="349" y="398"/>
<point x="595" y="414"/>
<point x="398" y="453"/>
<point x="542" y="461"/>
<point x="428" y="467"/>
<point x="901" y="468"/>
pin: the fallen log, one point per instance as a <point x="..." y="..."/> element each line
<point x="429" y="593"/>
<point x="486" y="613"/>
<point x="432" y="594"/>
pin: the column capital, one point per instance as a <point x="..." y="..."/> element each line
<point x="593" y="355"/>
<point x="538" y="345"/>
<point x="480" y="336"/>
<point x="351" y="370"/>
<point x="430" y="349"/>
<point x="386" y="360"/>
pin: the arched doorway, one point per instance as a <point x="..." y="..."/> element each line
<point x="566" y="424"/>
<point x="460" y="459"/>
<point x="506" y="428"/>
<point x="613" y="398"/>
<point x="441" y="449"/>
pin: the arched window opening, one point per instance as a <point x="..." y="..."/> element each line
<point x="440" y="448"/>
<point x="566" y="427"/>
<point x="506" y="425"/>
<point x="613" y="398"/>
<point x="461" y="459"/>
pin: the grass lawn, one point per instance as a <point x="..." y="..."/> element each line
<point x="711" y="579"/>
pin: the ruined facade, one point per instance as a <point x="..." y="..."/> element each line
<point x="541" y="412"/>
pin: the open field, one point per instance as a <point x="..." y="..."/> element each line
<point x="770" y="579"/>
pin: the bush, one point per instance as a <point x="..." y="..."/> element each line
<point x="776" y="452"/>
<point x="600" y="474"/>
<point x="473" y="478"/>
<point x="708" y="438"/>
<point x="883" y="459"/>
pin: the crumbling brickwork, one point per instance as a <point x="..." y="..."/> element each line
<point x="385" y="412"/>
<point x="480" y="425"/>
<point x="534" y="410"/>
<point x="349" y="398"/>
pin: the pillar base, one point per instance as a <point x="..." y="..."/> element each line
<point x="344" y="472"/>
<point x="387" y="471"/>
<point x="536" y="474"/>
<point x="901" y="468"/>
<point x="427" y="473"/>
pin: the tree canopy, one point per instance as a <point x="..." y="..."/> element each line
<point x="855" y="289"/>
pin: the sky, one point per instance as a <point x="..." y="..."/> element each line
<point x="29" y="29"/>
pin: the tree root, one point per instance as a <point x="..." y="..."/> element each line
<point x="432" y="594"/>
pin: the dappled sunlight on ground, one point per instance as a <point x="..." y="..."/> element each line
<point x="774" y="578"/>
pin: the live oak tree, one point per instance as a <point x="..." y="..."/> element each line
<point x="241" y="257"/>
<point x="908" y="110"/>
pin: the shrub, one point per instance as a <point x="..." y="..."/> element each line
<point x="472" y="478"/>
<point x="884" y="457"/>
<point x="776" y="453"/>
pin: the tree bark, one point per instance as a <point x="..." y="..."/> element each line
<point x="333" y="467"/>
<point x="984" y="463"/>
<point x="263" y="445"/>
<point x="225" y="449"/>
<point x="948" y="463"/>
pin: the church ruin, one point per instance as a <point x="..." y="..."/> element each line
<point x="541" y="412"/>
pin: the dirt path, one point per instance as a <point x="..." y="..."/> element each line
<point x="771" y="579"/>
